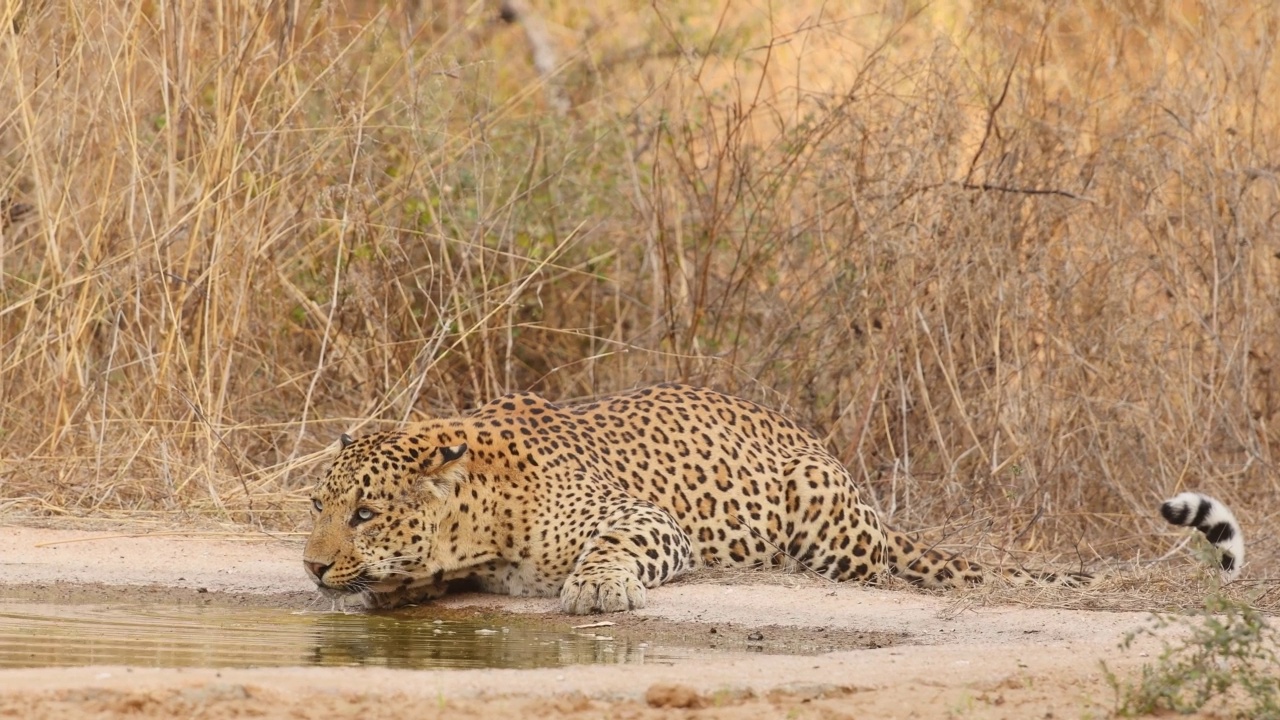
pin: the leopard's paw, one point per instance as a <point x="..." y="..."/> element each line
<point x="602" y="590"/>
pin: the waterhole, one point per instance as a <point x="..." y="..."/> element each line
<point x="149" y="635"/>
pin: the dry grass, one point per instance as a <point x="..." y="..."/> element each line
<point x="1017" y="262"/>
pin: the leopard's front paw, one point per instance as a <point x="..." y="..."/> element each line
<point x="604" y="590"/>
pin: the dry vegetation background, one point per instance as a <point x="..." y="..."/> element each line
<point x="1016" y="261"/>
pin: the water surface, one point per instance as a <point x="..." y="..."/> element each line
<point x="152" y="635"/>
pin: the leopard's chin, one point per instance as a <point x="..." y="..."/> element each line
<point x="404" y="595"/>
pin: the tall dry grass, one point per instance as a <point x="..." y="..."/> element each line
<point x="1016" y="262"/>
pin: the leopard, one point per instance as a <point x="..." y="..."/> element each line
<point x="596" y="502"/>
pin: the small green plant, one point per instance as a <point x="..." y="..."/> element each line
<point x="1229" y="651"/>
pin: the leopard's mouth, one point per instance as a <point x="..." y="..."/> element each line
<point x="364" y="582"/>
<point x="333" y="593"/>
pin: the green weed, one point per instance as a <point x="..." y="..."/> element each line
<point x="1227" y="651"/>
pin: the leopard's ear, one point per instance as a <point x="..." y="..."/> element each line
<point x="443" y="471"/>
<point x="345" y="439"/>
<point x="449" y="454"/>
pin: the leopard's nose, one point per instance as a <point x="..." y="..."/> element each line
<point x="316" y="570"/>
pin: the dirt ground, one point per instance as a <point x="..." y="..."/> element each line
<point x="885" y="653"/>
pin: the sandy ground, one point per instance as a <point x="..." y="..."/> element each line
<point x="943" y="657"/>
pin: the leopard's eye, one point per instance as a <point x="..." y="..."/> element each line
<point x="319" y="506"/>
<point x="362" y="515"/>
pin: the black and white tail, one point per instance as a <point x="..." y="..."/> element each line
<point x="1215" y="520"/>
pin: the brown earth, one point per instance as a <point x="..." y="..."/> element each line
<point x="884" y="652"/>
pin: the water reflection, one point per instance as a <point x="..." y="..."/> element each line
<point x="188" y="636"/>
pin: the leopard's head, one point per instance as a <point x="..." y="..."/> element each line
<point x="379" y="510"/>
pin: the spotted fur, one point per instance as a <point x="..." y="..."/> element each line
<point x="599" y="501"/>
<point x="1213" y="518"/>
